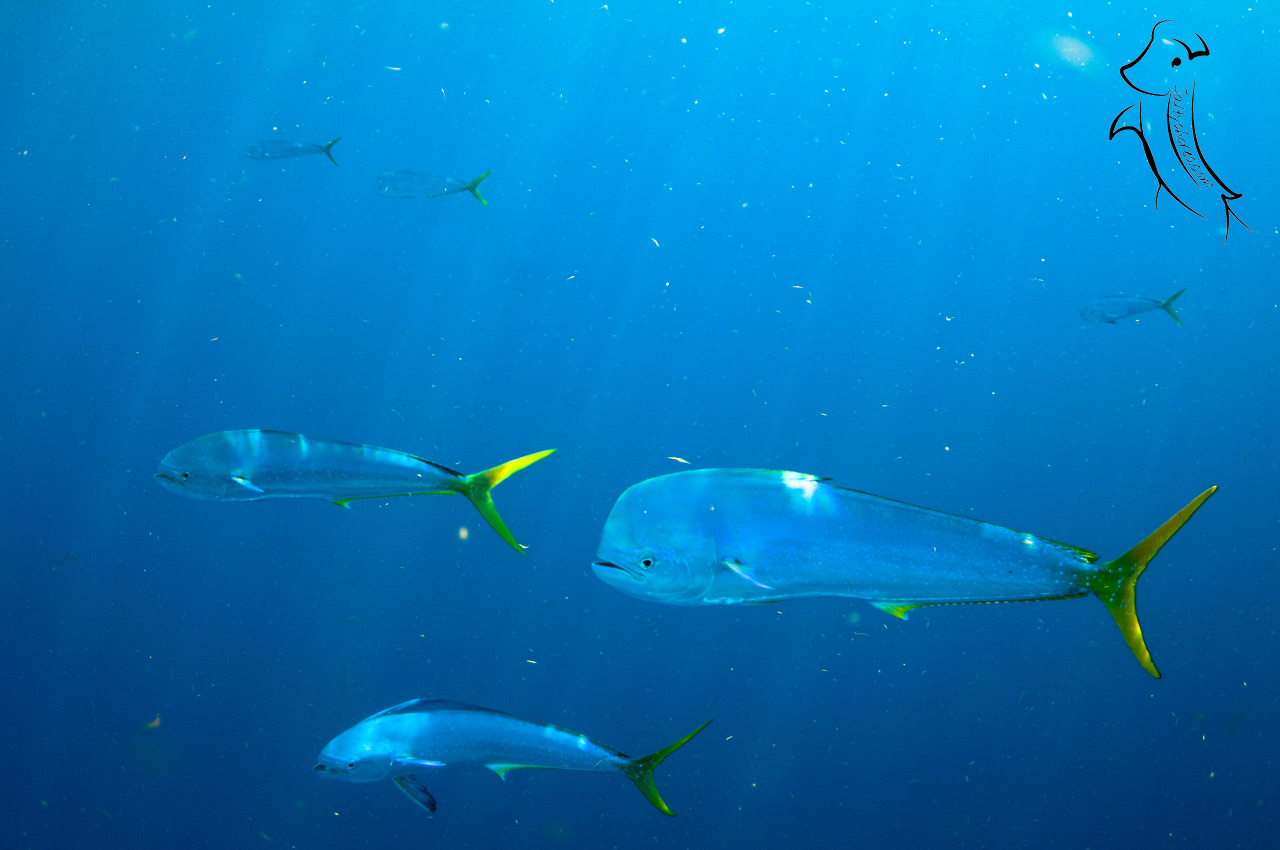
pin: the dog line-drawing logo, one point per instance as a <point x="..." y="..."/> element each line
<point x="1166" y="84"/>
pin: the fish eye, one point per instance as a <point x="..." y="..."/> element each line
<point x="186" y="475"/>
<point x="1177" y="60"/>
<point x="351" y="765"/>
<point x="646" y="562"/>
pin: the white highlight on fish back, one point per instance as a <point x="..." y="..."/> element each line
<point x="806" y="484"/>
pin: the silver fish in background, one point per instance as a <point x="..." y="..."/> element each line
<point x="412" y="184"/>
<point x="1110" y="309"/>
<point x="741" y="536"/>
<point x="251" y="465"/>
<point x="405" y="740"/>
<point x="277" y="149"/>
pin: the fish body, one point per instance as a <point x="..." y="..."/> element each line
<point x="1110" y="309"/>
<point x="413" y="184"/>
<point x="251" y="465"/>
<point x="279" y="149"/>
<point x="734" y="536"/>
<point x="405" y="740"/>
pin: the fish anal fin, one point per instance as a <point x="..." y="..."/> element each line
<point x="346" y="503"/>
<point x="901" y="609"/>
<point x="503" y="769"/>
<point x="416" y="791"/>
<point x="897" y="608"/>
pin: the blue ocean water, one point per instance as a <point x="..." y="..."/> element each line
<point x="839" y="238"/>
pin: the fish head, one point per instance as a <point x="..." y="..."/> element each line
<point x="172" y="474"/>
<point x="207" y="468"/>
<point x="357" y="755"/>
<point x="654" y="548"/>
<point x="1165" y="63"/>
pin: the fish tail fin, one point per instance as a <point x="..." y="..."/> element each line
<point x="474" y="187"/>
<point x="640" y="771"/>
<point x="1114" y="582"/>
<point x="476" y="488"/>
<point x="1167" y="306"/>
<point x="327" y="148"/>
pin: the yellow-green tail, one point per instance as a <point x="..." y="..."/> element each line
<point x="1114" y="582"/>
<point x="476" y="487"/>
<point x="1167" y="306"/>
<point x="329" y="147"/>
<point x="473" y="188"/>
<point x="640" y="771"/>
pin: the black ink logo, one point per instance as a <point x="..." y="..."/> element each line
<point x="1166" y="84"/>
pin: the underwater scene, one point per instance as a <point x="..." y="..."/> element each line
<point x="666" y="424"/>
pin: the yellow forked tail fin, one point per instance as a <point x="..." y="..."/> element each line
<point x="476" y="488"/>
<point x="474" y="188"/>
<point x="1114" y="581"/>
<point x="640" y="771"/>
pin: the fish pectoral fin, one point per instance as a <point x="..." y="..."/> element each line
<point x="896" y="608"/>
<point x="246" y="483"/>
<point x="416" y="791"/>
<point x="735" y="566"/>
<point x="502" y="769"/>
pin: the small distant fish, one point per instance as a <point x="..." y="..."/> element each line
<point x="405" y="740"/>
<point x="276" y="149"/>
<point x="1110" y="309"/>
<point x="749" y="536"/>
<point x="412" y="184"/>
<point x="250" y="465"/>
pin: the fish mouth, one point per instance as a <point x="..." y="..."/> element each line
<point x="327" y="770"/>
<point x="164" y="476"/>
<point x="628" y="571"/>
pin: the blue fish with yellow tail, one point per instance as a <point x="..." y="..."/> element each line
<point x="1110" y="309"/>
<point x="249" y="465"/>
<point x="731" y="536"/>
<point x="406" y="740"/>
<point x="280" y="149"/>
<point x="414" y="184"/>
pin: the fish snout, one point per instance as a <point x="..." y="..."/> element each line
<point x="609" y="565"/>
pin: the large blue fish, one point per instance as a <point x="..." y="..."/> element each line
<point x="1110" y="309"/>
<point x="414" y="184"/>
<point x="406" y="740"/>
<point x="730" y="536"/>
<point x="280" y="149"/>
<point x="249" y="465"/>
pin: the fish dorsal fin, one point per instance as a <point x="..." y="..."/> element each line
<point x="416" y="791"/>
<point x="406" y="707"/>
<point x="421" y="706"/>
<point x="439" y="466"/>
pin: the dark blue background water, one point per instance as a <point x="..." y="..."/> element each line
<point x="834" y="238"/>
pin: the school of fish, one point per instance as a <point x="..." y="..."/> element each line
<point x="699" y="537"/>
